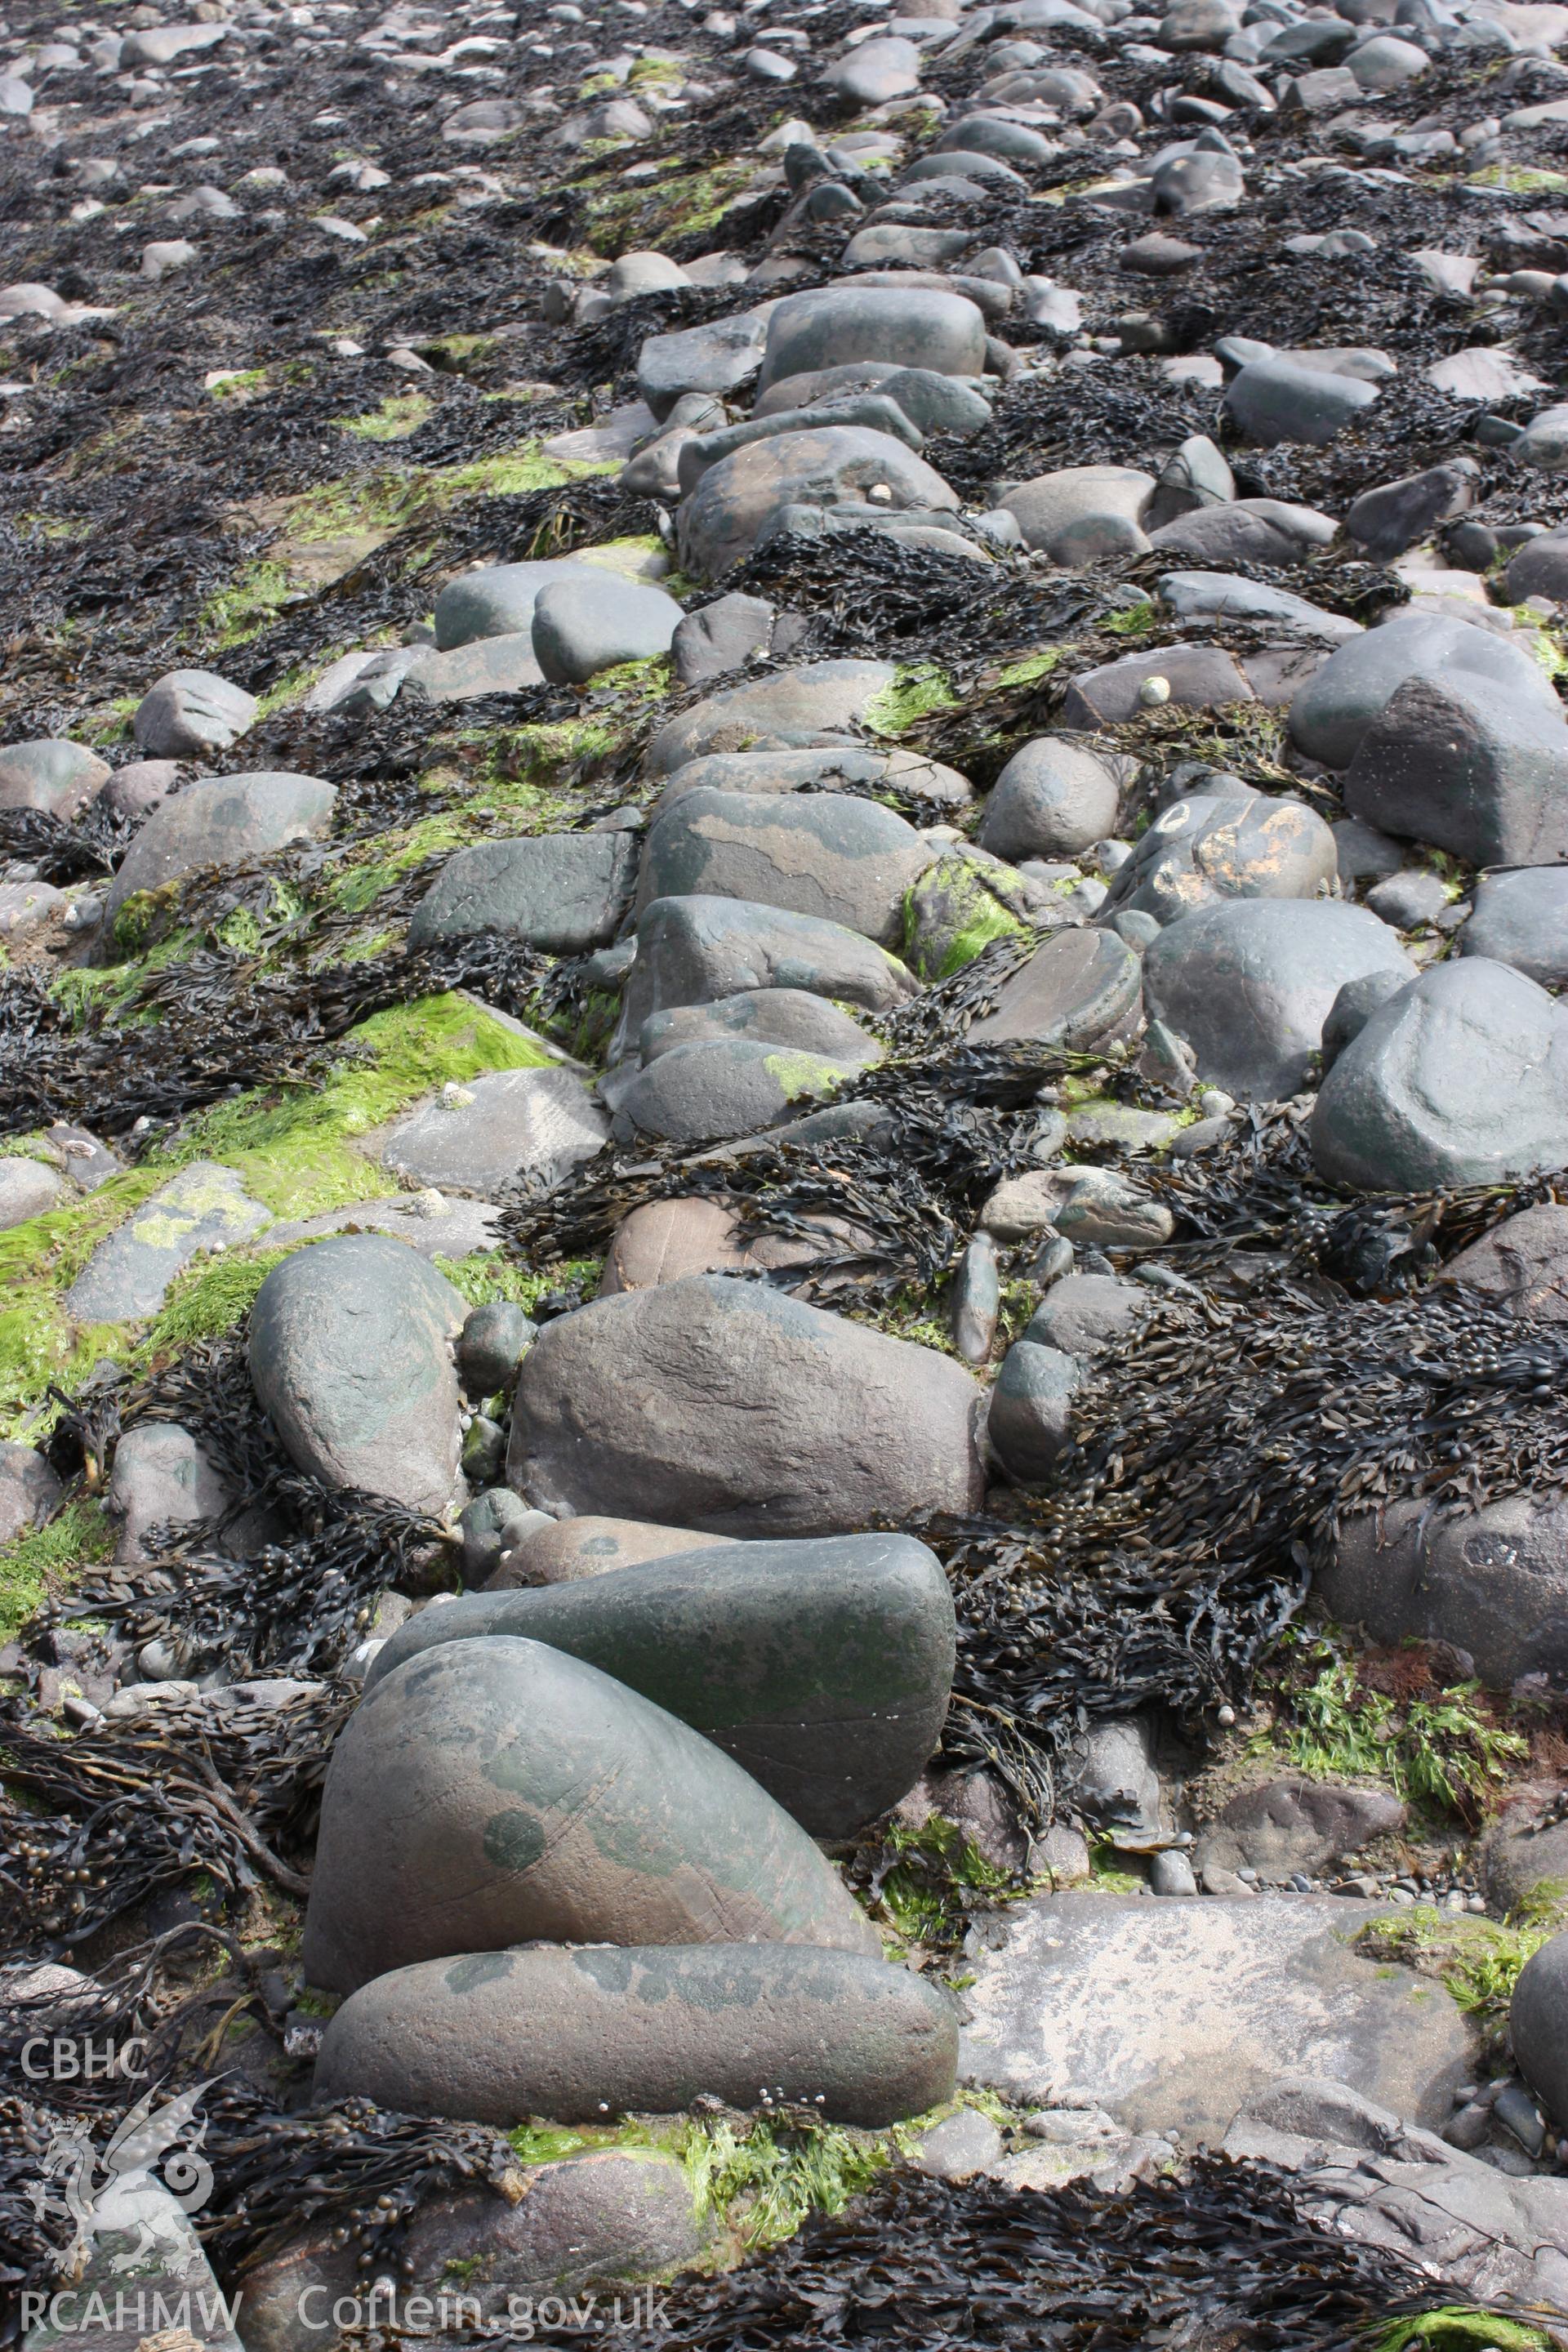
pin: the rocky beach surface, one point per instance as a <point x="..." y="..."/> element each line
<point x="784" y="1174"/>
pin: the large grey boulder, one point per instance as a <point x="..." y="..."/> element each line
<point x="50" y="774"/>
<point x="192" y="713"/>
<point x="1522" y="918"/>
<point x="775" y="1016"/>
<point x="1468" y="764"/>
<point x="715" y="1089"/>
<point x="1082" y="512"/>
<point x="201" y="1210"/>
<point x="486" y="1133"/>
<point x="692" y="950"/>
<point x="1538" y="2027"/>
<point x="351" y="1359"/>
<point x="822" y="1666"/>
<point x="563" y="892"/>
<point x="1081" y="988"/>
<point x="838" y="466"/>
<point x="162" y="1477"/>
<point x="1199" y="851"/>
<point x="828" y="855"/>
<point x="1494" y="1582"/>
<point x="1171" y="2015"/>
<point x="27" y="1189"/>
<point x="1249" y="982"/>
<point x="585" y="625"/>
<point x="724" y="1405"/>
<point x="1461" y="1078"/>
<point x="1287" y="1824"/>
<point x="219" y="820"/>
<point x="1276" y="399"/>
<point x="817" y="703"/>
<point x="498" y="600"/>
<point x="715" y="358"/>
<point x="497" y="2037"/>
<point x="495" y="1791"/>
<point x="1333" y="710"/>
<point x="1521" y="1262"/>
<point x="920" y="327"/>
<point x="877" y="70"/>
<point x="1245" y="531"/>
<point x="1053" y="799"/>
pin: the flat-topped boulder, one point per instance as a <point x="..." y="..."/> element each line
<point x="727" y="1406"/>
<point x="497" y="2037"/>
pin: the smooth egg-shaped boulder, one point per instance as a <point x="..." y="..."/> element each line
<point x="829" y="855"/>
<point x="495" y="2037"/>
<point x="220" y="820"/>
<point x="495" y="1791"/>
<point x="838" y="466"/>
<point x="919" y="326"/>
<point x="725" y="1406"/>
<point x="351" y="1355"/>
<point x="822" y="1666"/>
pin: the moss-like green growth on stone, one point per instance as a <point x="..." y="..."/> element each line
<point x="210" y="1299"/>
<point x="235" y="613"/>
<point x="39" y="1260"/>
<point x="950" y="915"/>
<point x="387" y="500"/>
<point x="44" y="1557"/>
<point x="486" y="1275"/>
<point x="913" y="694"/>
<point x="799" y="1075"/>
<point x="399" y="415"/>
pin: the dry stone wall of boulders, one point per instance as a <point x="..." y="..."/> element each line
<point x="784" y="878"/>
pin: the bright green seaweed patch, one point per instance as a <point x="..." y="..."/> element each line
<point x="44" y="1555"/>
<point x="913" y="694"/>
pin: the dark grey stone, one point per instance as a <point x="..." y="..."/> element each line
<point x="692" y="950"/>
<point x="1079" y="512"/>
<point x="1539" y="569"/>
<point x="998" y="135"/>
<point x="563" y="892"/>
<point x="190" y="714"/>
<point x="1247" y="530"/>
<point x="1053" y="799"/>
<point x="1081" y="988"/>
<point x="715" y="358"/>
<point x="1276" y="399"/>
<point x="217" y="822"/>
<point x="833" y="465"/>
<point x="908" y="774"/>
<point x="878" y="70"/>
<point x="491" y="1526"/>
<point x="716" y="1089"/>
<point x="1249" y="982"/>
<point x="1462" y="1078"/>
<point x="822" y="1666"/>
<point x="831" y="856"/>
<point x="351" y="1358"/>
<point x="722" y="636"/>
<point x="162" y="1477"/>
<point x="503" y="2036"/>
<point x="1029" y="1424"/>
<point x="1086" y="1314"/>
<point x="585" y="625"/>
<point x="871" y="411"/>
<point x="727" y="1407"/>
<point x="1522" y="918"/>
<point x="937" y="403"/>
<point x="1494" y="1582"/>
<point x="1388" y="520"/>
<point x="1199" y="851"/>
<point x="497" y="601"/>
<point x="789" y="1017"/>
<point x="922" y="327"/>
<point x="1220" y="596"/>
<point x="1409" y="899"/>
<point x="1469" y="765"/>
<point x="495" y="1791"/>
<point x="1353" y="1007"/>
<point x="492" y="1343"/>
<point x="1331" y="713"/>
<point x="28" y="1188"/>
<point x="1198" y="676"/>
